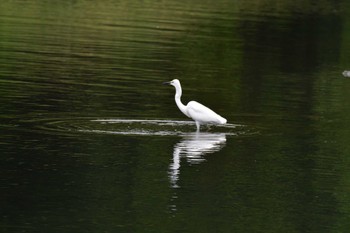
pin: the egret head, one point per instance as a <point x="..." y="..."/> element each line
<point x="174" y="82"/>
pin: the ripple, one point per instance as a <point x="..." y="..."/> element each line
<point x="134" y="127"/>
<point x="161" y="127"/>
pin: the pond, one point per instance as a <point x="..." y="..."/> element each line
<point x="91" y="141"/>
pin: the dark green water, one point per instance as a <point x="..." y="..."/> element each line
<point x="92" y="142"/>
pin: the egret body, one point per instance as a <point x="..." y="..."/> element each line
<point x="198" y="112"/>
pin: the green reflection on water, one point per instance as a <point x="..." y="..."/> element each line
<point x="275" y="66"/>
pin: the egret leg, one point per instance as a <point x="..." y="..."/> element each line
<point x="198" y="125"/>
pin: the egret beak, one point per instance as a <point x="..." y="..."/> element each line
<point x="166" y="83"/>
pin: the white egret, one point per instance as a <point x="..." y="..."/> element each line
<point x="198" y="112"/>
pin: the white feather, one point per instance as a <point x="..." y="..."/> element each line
<point x="198" y="112"/>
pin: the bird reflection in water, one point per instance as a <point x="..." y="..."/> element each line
<point x="193" y="147"/>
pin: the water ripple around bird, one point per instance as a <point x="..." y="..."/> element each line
<point x="140" y="127"/>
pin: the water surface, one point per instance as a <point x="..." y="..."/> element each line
<point x="92" y="142"/>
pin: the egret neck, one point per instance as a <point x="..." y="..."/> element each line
<point x="178" y="94"/>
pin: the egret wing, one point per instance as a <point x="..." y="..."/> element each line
<point x="201" y="113"/>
